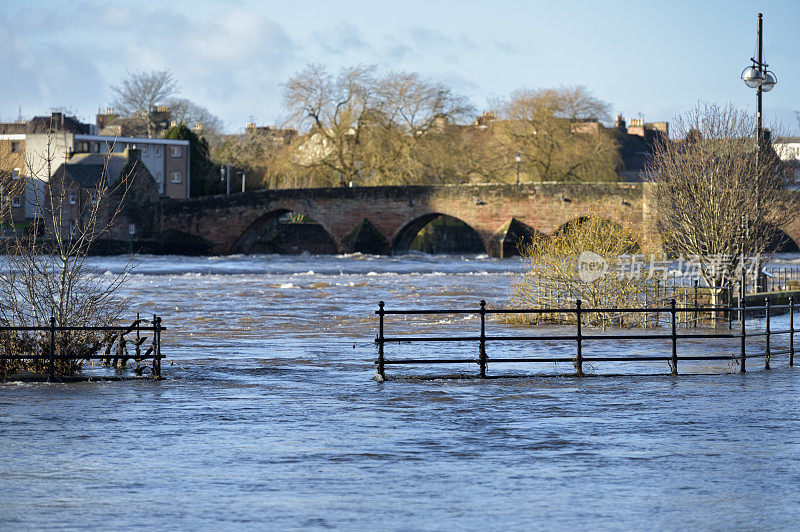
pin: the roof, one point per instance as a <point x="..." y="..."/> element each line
<point x="88" y="169"/>
<point x="85" y="175"/>
<point x="116" y="162"/>
<point x="133" y="140"/>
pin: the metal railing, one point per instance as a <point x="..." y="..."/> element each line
<point x="117" y="333"/>
<point x="581" y="338"/>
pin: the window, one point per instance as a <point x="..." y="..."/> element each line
<point x="16" y="147"/>
<point x="158" y="150"/>
<point x="73" y="226"/>
<point x="175" y="151"/>
<point x="73" y="198"/>
<point x="175" y="177"/>
<point x="16" y="201"/>
<point x="131" y="229"/>
<point x="15" y="173"/>
<point x="144" y="150"/>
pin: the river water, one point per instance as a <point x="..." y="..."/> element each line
<point x="268" y="418"/>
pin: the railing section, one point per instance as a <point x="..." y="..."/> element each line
<point x="581" y="339"/>
<point x="153" y="352"/>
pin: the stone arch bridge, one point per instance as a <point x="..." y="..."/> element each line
<point x="386" y="219"/>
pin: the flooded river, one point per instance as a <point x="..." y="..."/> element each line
<point x="268" y="418"/>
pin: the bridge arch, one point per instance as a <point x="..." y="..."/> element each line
<point x="322" y="241"/>
<point x="782" y="242"/>
<point x="405" y="236"/>
<point x="577" y="222"/>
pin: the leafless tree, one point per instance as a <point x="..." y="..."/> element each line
<point x="336" y="111"/>
<point x="44" y="272"/>
<point x="558" y="133"/>
<point x="718" y="197"/>
<point x="190" y="113"/>
<point x="140" y="92"/>
<point x="364" y="126"/>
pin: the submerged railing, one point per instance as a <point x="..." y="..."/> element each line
<point x="138" y="327"/>
<point x="581" y="338"/>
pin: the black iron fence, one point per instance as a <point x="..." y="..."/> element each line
<point x="581" y="337"/>
<point x="115" y="335"/>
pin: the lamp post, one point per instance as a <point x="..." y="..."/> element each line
<point x="518" y="159"/>
<point x="756" y="76"/>
<point x="225" y="171"/>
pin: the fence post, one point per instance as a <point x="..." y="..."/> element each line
<point x="743" y="349"/>
<point x="157" y="344"/>
<point x="482" y="360"/>
<point x="695" y="303"/>
<point x="380" y="340"/>
<point x="791" y="331"/>
<point x="730" y="306"/>
<point x="674" y="334"/>
<point x="51" y="374"/>
<point x="138" y="336"/>
<point x="766" y="350"/>
<point x="742" y="293"/>
<point x="579" y="339"/>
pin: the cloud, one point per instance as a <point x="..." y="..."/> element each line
<point x="341" y="39"/>
<point x="225" y="59"/>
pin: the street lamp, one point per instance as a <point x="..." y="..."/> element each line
<point x="756" y="76"/>
<point x="518" y="158"/>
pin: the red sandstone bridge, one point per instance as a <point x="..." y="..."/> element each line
<point x="386" y="219"/>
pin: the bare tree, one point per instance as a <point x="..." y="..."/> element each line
<point x="559" y="134"/>
<point x="718" y="197"/>
<point x="140" y="92"/>
<point x="190" y="113"/>
<point x="44" y="272"/>
<point x="415" y="105"/>
<point x="366" y="127"/>
<point x="336" y="111"/>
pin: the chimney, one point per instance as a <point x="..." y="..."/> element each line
<point x="134" y="155"/>
<point x="57" y="120"/>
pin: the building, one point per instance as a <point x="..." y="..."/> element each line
<point x="167" y="160"/>
<point x="113" y="124"/>
<point x="39" y="146"/>
<point x="12" y="191"/>
<point x="636" y="141"/>
<point x="121" y="180"/>
<point x="277" y="136"/>
<point x="788" y="149"/>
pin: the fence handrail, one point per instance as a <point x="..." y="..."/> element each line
<point x="583" y="310"/>
<point x="580" y="337"/>
<point x="136" y="324"/>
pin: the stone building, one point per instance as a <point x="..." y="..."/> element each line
<point x="113" y="124"/>
<point x="120" y="182"/>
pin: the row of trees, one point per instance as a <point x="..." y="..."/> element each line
<point x="371" y="128"/>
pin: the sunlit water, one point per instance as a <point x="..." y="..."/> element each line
<point x="268" y="417"/>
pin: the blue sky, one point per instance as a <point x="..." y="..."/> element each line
<point x="647" y="58"/>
